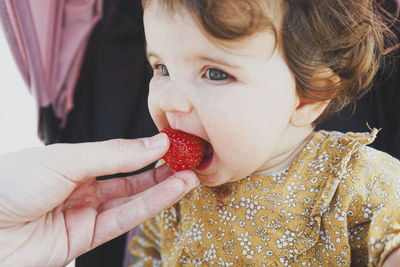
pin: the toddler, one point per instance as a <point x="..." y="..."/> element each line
<point x="253" y="78"/>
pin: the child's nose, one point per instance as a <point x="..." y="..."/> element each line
<point x="174" y="99"/>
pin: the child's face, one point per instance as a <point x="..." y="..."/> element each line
<point x="239" y="96"/>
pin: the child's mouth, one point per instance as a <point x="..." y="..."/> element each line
<point x="207" y="158"/>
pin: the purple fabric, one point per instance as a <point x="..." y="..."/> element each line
<point x="132" y="233"/>
<point x="48" y="40"/>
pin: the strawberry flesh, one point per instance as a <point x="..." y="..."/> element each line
<point x="185" y="152"/>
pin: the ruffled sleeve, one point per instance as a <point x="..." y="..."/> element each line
<point x="375" y="205"/>
<point x="384" y="234"/>
<point x="384" y="203"/>
<point x="337" y="153"/>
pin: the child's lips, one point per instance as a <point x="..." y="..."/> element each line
<point x="207" y="158"/>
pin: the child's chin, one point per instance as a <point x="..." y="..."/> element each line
<point x="210" y="181"/>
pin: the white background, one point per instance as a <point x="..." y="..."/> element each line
<point x="18" y="111"/>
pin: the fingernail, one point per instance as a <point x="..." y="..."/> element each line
<point x="189" y="177"/>
<point x="156" y="141"/>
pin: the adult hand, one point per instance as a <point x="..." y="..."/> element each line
<point x="393" y="260"/>
<point x="52" y="209"/>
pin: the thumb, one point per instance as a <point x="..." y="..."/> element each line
<point x="79" y="161"/>
<point x="49" y="174"/>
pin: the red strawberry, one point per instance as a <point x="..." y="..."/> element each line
<point x="185" y="150"/>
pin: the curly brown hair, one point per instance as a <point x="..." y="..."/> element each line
<point x="345" y="36"/>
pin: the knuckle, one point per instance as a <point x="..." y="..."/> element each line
<point x="120" y="145"/>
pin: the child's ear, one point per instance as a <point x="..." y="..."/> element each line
<point x="308" y="110"/>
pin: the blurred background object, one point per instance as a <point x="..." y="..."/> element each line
<point x="18" y="111"/>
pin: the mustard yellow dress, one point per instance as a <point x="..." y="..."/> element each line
<point x="337" y="204"/>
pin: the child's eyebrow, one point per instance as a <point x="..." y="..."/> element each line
<point x="215" y="60"/>
<point x="199" y="58"/>
<point x="150" y="54"/>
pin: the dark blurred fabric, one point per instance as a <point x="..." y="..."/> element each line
<point x="111" y="95"/>
<point x="110" y="100"/>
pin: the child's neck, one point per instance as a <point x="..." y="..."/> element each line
<point x="285" y="159"/>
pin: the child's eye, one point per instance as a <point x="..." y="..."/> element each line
<point x="216" y="75"/>
<point x="160" y="70"/>
<point x="164" y="70"/>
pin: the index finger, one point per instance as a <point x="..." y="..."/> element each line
<point x="116" y="220"/>
<point x="124" y="187"/>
